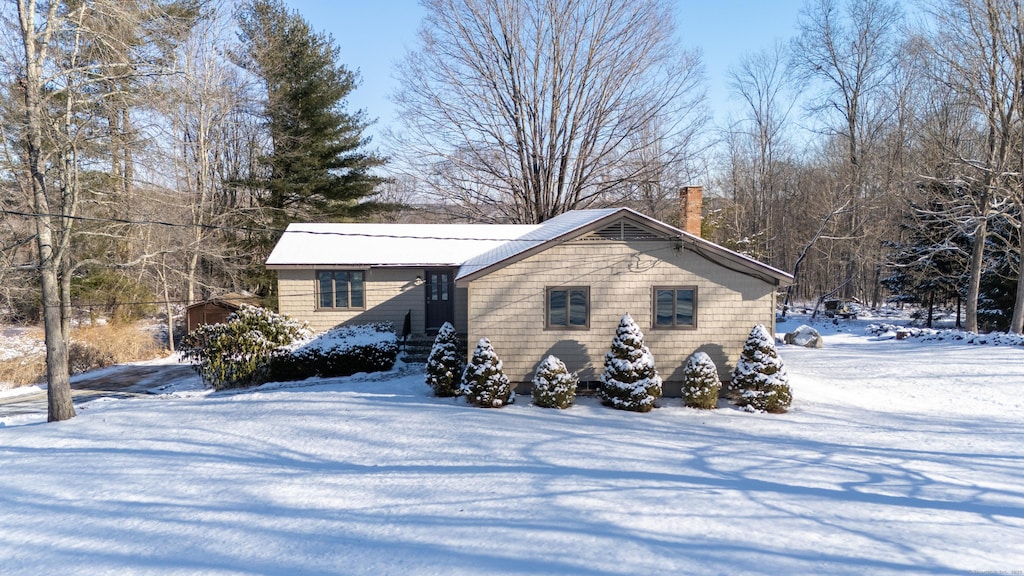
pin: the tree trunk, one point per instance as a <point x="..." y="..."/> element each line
<point x="60" y="406"/>
<point x="931" y="307"/>
<point x="1017" y="322"/>
<point x="977" y="254"/>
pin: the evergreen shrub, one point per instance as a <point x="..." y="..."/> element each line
<point x="340" y="351"/>
<point x="700" y="382"/>
<point x="239" y="352"/>
<point x="444" y="365"/>
<point x="553" y="385"/>
<point x="630" y="380"/>
<point x="760" y="381"/>
<point x="484" y="382"/>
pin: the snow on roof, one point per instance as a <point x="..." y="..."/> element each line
<point x="389" y="244"/>
<point x="549" y="230"/>
<point x="472" y="247"/>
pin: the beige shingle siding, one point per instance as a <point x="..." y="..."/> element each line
<point x="390" y="294"/>
<point x="508" y="306"/>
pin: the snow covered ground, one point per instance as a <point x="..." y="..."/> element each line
<point x="898" y="457"/>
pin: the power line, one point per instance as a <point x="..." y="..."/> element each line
<point x="261" y="230"/>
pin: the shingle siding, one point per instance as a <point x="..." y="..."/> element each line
<point x="390" y="294"/>
<point x="508" y="307"/>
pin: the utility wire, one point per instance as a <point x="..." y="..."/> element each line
<point x="260" y="230"/>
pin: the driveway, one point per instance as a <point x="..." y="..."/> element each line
<point x="126" y="381"/>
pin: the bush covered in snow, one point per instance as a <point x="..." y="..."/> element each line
<point x="553" y="385"/>
<point x="484" y="382"/>
<point x="759" y="381"/>
<point x="630" y="380"/>
<point x="444" y="365"/>
<point x="340" y="351"/>
<point x="700" y="382"/>
<point x="239" y="352"/>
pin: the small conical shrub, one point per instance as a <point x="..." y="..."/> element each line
<point x="444" y="365"/>
<point x="484" y="383"/>
<point x="759" y="381"/>
<point x="700" y="382"/>
<point x="630" y="380"/>
<point x="553" y="385"/>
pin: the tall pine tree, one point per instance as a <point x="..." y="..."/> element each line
<point x="318" y="167"/>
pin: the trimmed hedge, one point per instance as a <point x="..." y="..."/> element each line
<point x="341" y="351"/>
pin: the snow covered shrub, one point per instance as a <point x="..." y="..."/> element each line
<point x="340" y="351"/>
<point x="484" y="383"/>
<point x="444" y="365"/>
<point x="238" y="352"/>
<point x="630" y="380"/>
<point x="760" y="381"/>
<point x="700" y="382"/>
<point x="553" y="385"/>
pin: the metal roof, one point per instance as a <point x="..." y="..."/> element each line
<point x="476" y="249"/>
<point x="304" y="245"/>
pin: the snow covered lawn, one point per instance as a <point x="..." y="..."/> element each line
<point x="898" y="457"/>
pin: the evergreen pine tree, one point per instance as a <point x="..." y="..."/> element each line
<point x="760" y="381"/>
<point x="630" y="380"/>
<point x="444" y="365"/>
<point x="317" y="167"/>
<point x="553" y="385"/>
<point x="700" y="382"/>
<point x="484" y="383"/>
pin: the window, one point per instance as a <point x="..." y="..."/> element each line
<point x="340" y="288"/>
<point x="675" y="307"/>
<point x="437" y="286"/>
<point x="568" y="308"/>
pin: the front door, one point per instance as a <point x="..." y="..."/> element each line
<point x="440" y="308"/>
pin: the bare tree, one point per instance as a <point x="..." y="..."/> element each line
<point x="200" y="106"/>
<point x="70" y="55"/>
<point x="530" y="108"/>
<point x="759" y="145"/>
<point x="849" y="49"/>
<point x="978" y="49"/>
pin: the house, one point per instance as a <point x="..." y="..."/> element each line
<point x="216" y="310"/>
<point x="559" y="287"/>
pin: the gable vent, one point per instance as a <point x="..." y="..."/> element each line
<point x="622" y="230"/>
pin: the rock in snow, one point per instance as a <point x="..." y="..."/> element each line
<point x="804" y="336"/>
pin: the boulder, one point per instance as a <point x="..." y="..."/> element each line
<point x="804" y="336"/>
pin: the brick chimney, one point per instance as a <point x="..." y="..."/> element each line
<point x="690" y="201"/>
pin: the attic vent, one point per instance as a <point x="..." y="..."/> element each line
<point x="623" y="230"/>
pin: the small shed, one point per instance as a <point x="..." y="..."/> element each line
<point x="217" y="310"/>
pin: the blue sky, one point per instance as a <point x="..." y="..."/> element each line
<point x="374" y="34"/>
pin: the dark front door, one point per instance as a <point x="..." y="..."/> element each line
<point x="440" y="295"/>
